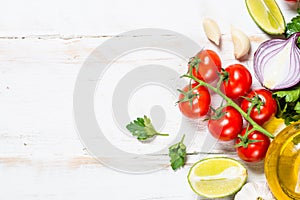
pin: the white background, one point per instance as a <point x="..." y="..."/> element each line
<point x="43" y="44"/>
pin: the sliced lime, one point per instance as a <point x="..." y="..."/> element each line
<point x="217" y="177"/>
<point x="267" y="16"/>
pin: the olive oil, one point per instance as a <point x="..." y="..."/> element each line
<point x="288" y="170"/>
<point x="282" y="163"/>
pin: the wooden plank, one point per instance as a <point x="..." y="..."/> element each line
<point x="69" y="18"/>
<point x="40" y="153"/>
<point x="37" y="80"/>
<point x="82" y="177"/>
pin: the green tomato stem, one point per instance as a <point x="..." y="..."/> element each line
<point x="233" y="104"/>
<point x="248" y="132"/>
<point x="162" y="134"/>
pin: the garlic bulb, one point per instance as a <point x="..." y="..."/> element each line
<point x="254" y="191"/>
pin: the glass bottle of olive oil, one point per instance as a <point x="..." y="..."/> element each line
<point x="282" y="163"/>
<point x="288" y="168"/>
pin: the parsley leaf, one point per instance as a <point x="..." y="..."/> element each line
<point x="177" y="153"/>
<point x="143" y="129"/>
<point x="288" y="102"/>
<point x="290" y="95"/>
<point x="297" y="107"/>
<point x="294" y="26"/>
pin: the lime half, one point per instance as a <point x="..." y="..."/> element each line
<point x="217" y="177"/>
<point x="267" y="16"/>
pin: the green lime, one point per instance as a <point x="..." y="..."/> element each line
<point x="217" y="177"/>
<point x="267" y="16"/>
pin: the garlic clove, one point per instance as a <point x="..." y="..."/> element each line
<point x="241" y="43"/>
<point x="212" y="30"/>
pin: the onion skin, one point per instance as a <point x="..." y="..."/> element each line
<point x="277" y="63"/>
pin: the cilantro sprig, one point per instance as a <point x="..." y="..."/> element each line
<point x="143" y="129"/>
<point x="294" y="26"/>
<point x="288" y="104"/>
<point x="177" y="153"/>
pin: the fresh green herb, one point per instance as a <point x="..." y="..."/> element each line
<point x="288" y="104"/>
<point x="289" y="95"/>
<point x="143" y="129"/>
<point x="297" y="107"/>
<point x="294" y="26"/>
<point x="177" y="153"/>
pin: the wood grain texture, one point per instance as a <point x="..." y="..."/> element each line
<point x="40" y="153"/>
<point x="99" y="18"/>
<point x="43" y="45"/>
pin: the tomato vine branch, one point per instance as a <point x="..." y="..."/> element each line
<point x="231" y="103"/>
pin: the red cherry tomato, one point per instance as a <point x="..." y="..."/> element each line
<point x="238" y="81"/>
<point x="227" y="125"/>
<point x="200" y="101"/>
<point x="206" y="66"/>
<point x="264" y="105"/>
<point x="291" y="0"/>
<point x="255" y="151"/>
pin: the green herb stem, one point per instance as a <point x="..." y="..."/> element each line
<point x="162" y="134"/>
<point x="182" y="139"/>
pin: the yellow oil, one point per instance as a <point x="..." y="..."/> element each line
<point x="282" y="164"/>
<point x="288" y="170"/>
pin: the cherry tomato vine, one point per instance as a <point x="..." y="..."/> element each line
<point x="230" y="102"/>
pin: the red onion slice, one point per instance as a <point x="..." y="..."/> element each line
<point x="277" y="63"/>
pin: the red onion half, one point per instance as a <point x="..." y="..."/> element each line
<point x="277" y="63"/>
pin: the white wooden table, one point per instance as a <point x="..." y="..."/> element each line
<point x="43" y="45"/>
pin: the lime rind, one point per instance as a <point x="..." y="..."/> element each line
<point x="232" y="192"/>
<point x="220" y="196"/>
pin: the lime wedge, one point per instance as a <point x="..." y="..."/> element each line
<point x="267" y="16"/>
<point x="217" y="177"/>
